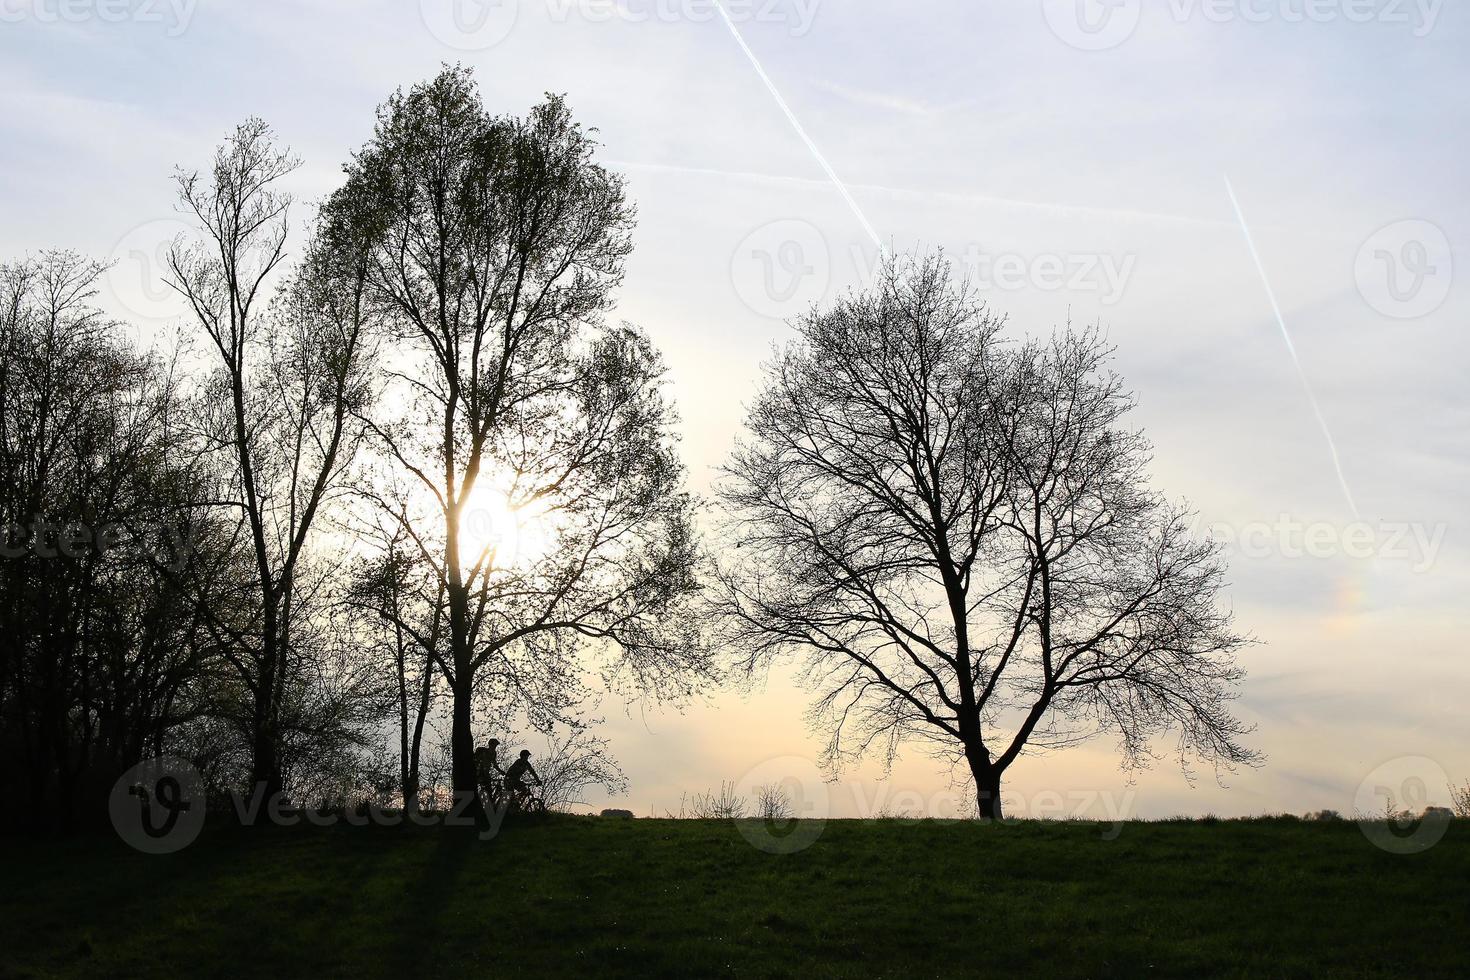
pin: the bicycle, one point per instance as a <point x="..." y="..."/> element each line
<point x="529" y="801"/>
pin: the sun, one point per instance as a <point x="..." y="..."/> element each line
<point x="508" y="535"/>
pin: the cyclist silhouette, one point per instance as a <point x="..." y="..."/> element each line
<point x="515" y="778"/>
<point x="487" y="770"/>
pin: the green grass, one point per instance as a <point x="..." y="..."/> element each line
<point x="889" y="898"/>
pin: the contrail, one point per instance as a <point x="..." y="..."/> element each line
<point x="1291" y="348"/>
<point x="800" y="130"/>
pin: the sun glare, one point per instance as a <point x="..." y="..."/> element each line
<point x="508" y="536"/>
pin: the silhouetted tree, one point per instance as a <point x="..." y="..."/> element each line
<point x="104" y="513"/>
<point x="405" y="597"/>
<point x="496" y="245"/>
<point x="957" y="535"/>
<point x="283" y="404"/>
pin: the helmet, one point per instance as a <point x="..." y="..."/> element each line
<point x="493" y="741"/>
<point x="525" y="753"/>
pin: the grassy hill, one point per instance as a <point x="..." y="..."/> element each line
<point x="1259" y="898"/>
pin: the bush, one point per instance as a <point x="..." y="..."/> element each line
<point x="725" y="805"/>
<point x="1460" y="800"/>
<point x="773" y="803"/>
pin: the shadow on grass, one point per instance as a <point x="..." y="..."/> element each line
<point x="429" y="899"/>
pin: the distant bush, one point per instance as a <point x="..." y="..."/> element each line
<point x="1460" y="800"/>
<point x="618" y="814"/>
<point x="724" y="805"/>
<point x="1327" y="815"/>
<point x="773" y="803"/>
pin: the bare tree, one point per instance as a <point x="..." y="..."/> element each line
<point x="957" y="535"/>
<point x="283" y="403"/>
<point x="496" y="245"/>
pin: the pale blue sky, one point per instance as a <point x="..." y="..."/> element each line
<point x="1084" y="182"/>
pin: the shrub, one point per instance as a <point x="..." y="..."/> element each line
<point x="726" y="805"/>
<point x="1460" y="800"/>
<point x="773" y="803"/>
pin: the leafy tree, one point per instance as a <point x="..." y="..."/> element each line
<point x="104" y="517"/>
<point x="495" y="244"/>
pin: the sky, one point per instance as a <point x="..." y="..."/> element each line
<point x="1262" y="202"/>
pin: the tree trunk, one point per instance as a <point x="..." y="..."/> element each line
<point x="265" y="762"/>
<point x="265" y="769"/>
<point x="987" y="784"/>
<point x="415" y="744"/>
<point x="462" y="740"/>
<point x="988" y="796"/>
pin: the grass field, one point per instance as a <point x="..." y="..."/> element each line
<point x="661" y="897"/>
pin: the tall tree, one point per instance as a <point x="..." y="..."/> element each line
<point x="103" y="513"/>
<point x="287" y="391"/>
<point x="497" y="243"/>
<point x="957" y="535"/>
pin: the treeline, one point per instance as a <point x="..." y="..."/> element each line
<point x="248" y="549"/>
<point x="286" y="548"/>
